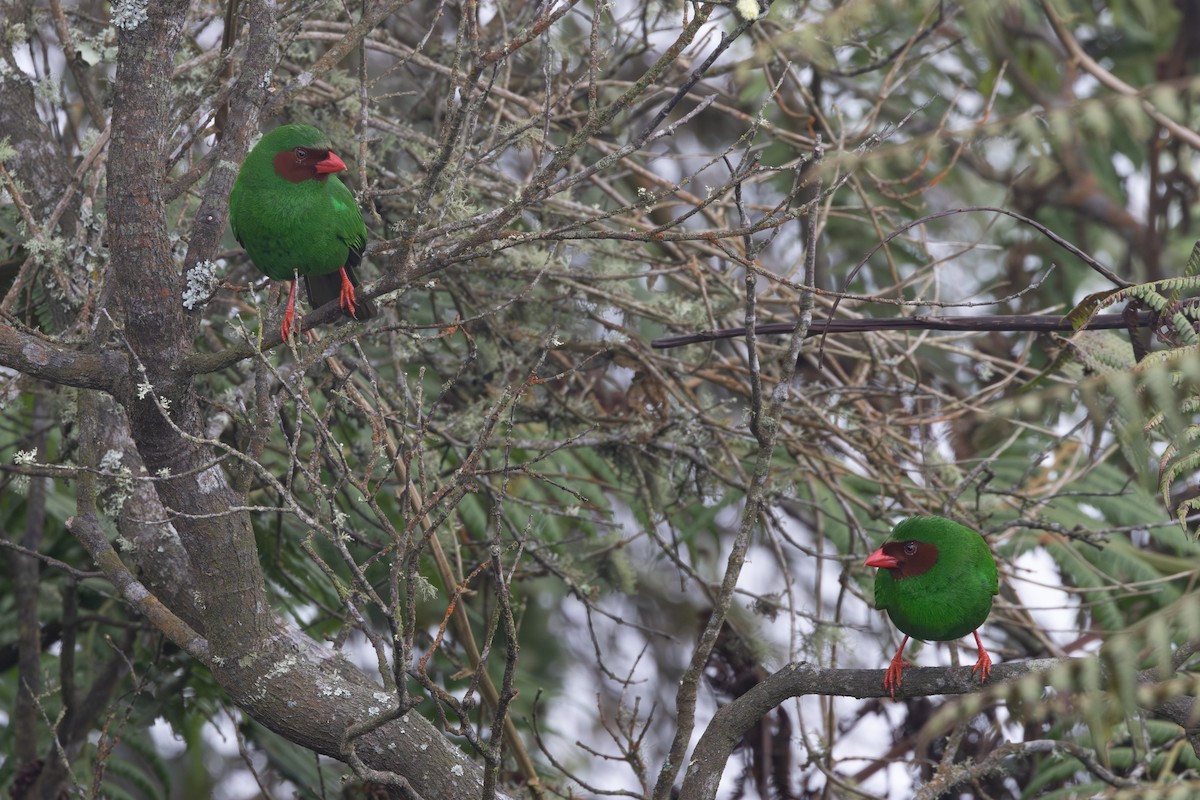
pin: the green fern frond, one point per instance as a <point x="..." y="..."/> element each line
<point x="1186" y="509"/>
<point x="1084" y="575"/>
<point x="1183" y="358"/>
<point x="1088" y="307"/>
<point x="1192" y="267"/>
<point x="134" y="776"/>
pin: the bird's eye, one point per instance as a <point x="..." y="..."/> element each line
<point x="301" y="153"/>
<point x="910" y="548"/>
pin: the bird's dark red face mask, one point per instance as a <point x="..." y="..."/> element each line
<point x="905" y="559"/>
<point x="306" y="163"/>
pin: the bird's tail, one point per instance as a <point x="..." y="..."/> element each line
<point x="327" y="288"/>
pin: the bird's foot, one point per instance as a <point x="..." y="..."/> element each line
<point x="892" y="678"/>
<point x="289" y="313"/>
<point x="984" y="665"/>
<point x="346" y="298"/>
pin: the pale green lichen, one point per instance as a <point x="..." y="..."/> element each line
<point x="202" y="281"/>
<point x="47" y="249"/>
<point x="747" y="9"/>
<point x="128" y="14"/>
<point x="49" y="90"/>
<point x="425" y="589"/>
<point x="119" y="486"/>
<point x="15" y="33"/>
<point x="111" y="460"/>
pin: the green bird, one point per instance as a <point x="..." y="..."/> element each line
<point x="294" y="217"/>
<point x="936" y="581"/>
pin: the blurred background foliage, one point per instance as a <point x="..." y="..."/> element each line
<point x="512" y="396"/>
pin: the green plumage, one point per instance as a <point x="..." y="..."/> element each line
<point x="950" y="599"/>
<point x="295" y="218"/>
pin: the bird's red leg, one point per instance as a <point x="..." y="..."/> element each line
<point x="984" y="665"/>
<point x="289" y="313"/>
<point x="891" y="678"/>
<point x="346" y="298"/>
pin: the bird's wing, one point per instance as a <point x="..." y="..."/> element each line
<point x="356" y="244"/>
<point x="349" y="225"/>
<point x="234" y="196"/>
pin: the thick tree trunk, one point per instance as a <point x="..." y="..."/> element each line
<point x="201" y="582"/>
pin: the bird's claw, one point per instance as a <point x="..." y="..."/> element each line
<point x="346" y="297"/>
<point x="983" y="666"/>
<point x="285" y="327"/>
<point x="289" y="312"/>
<point x="893" y="678"/>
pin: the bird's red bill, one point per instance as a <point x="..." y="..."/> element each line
<point x="330" y="163"/>
<point x="882" y="560"/>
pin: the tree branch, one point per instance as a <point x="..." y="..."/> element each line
<point x="1034" y="323"/>
<point x="1112" y="82"/>
<point x="42" y="358"/>
<point x="295" y="686"/>
<point x="86" y="527"/>
<point x="731" y="721"/>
